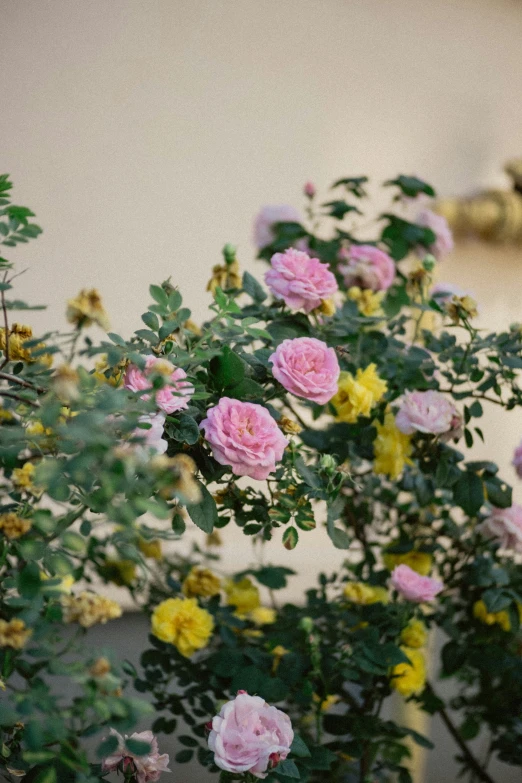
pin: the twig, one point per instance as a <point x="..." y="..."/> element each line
<point x="6" y="376"/>
<point x="301" y="421"/>
<point x="14" y="396"/>
<point x="6" y="325"/>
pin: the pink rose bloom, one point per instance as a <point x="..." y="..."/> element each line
<point x="309" y="189"/>
<point x="367" y="267"/>
<point x="302" y="282"/>
<point x="517" y="460"/>
<point x="267" y="217"/>
<point x="426" y="411"/>
<point x="414" y="587"/>
<point x="443" y="244"/>
<point x="504" y="525"/>
<point x="176" y="392"/>
<point x="147" y="768"/>
<point x="244" y="436"/>
<point x="153" y="436"/>
<point x="249" y="735"/>
<point x="307" y="368"/>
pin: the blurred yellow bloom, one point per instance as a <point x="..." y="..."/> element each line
<point x="65" y="383"/>
<point x="243" y="595"/>
<point x="421" y="562"/>
<point x="288" y="426"/>
<point x="327" y="307"/>
<point x="18" y="335"/>
<point x="409" y="678"/>
<point x="392" y="448"/>
<point x="151" y="548"/>
<point x="326" y="703"/>
<point x="87" y="309"/>
<point x="214" y="539"/>
<point x="182" y="623"/>
<point x="461" y="307"/>
<point x="225" y="276"/>
<point x="368" y="301"/>
<point x="102" y="367"/>
<point x="100" y="667"/>
<point x="415" y="634"/>
<point x="262" y="615"/>
<point x="120" y="572"/>
<point x="365" y="594"/>
<point x="13" y="526"/>
<point x="65" y="584"/>
<point x="356" y="396"/>
<point x="14" y="633"/>
<point x="481" y="613"/>
<point x="88" y="608"/>
<point x="22" y="479"/>
<point x="201" y="581"/>
<point x="278" y="652"/>
<point x="36" y="429"/>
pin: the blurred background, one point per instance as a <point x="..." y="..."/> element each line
<point x="145" y="135"/>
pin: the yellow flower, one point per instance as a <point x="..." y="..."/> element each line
<point x="87" y="309"/>
<point x="225" y="276"/>
<point x="18" y="335"/>
<point x="100" y="667"/>
<point x="36" y="429"/>
<point x="87" y="609"/>
<point x="288" y="426"/>
<point x="120" y="572"/>
<point x="65" y="584"/>
<point x="201" y="581"/>
<point x="365" y="594"/>
<point x="5" y="415"/>
<point x="327" y="307"/>
<point x="392" y="448"/>
<point x="65" y="383"/>
<point x="115" y="376"/>
<point x="14" y="526"/>
<point x="243" y="595"/>
<point x="278" y="652"/>
<point x="214" y="539"/>
<point x="461" y="307"/>
<point x="356" y="396"/>
<point x="368" y="301"/>
<point x="14" y="633"/>
<point x="421" y="562"/>
<point x="491" y="618"/>
<point x="326" y="703"/>
<point x="263" y="615"/>
<point x="181" y="622"/>
<point x="151" y="548"/>
<point x="415" y="634"/>
<point x="409" y="678"/>
<point x="22" y="479"/>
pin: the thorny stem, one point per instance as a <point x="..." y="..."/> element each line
<point x="472" y="762"/>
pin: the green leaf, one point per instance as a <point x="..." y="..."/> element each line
<point x="339" y="537"/>
<point x="299" y="747"/>
<point x="339" y="208"/>
<point x="175" y="300"/>
<point x="273" y="577"/>
<point x="290" y="538"/>
<point x="289" y="769"/>
<point x="253" y="288"/>
<point x="138" y="747"/>
<point x="178" y="524"/>
<point x="47" y="775"/>
<point x="151" y="320"/>
<point x="411" y="186"/>
<point x="184" y="429"/>
<point x="227" y="370"/>
<point x="204" y="514"/>
<point x="107" y="746"/>
<point x="184" y="756"/>
<point x="189" y="742"/>
<point x="29" y="580"/>
<point x="159" y="295"/>
<point x="468" y="493"/>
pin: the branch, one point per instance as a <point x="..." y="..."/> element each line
<point x="469" y="757"/>
<point x="6" y="376"/>
<point x="14" y="396"/>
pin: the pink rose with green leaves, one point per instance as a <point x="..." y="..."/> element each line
<point x="300" y="281"/>
<point x="306" y="367"/>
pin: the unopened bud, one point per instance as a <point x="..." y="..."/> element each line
<point x="309" y="189"/>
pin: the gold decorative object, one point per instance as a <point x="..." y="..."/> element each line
<point x="491" y="215"/>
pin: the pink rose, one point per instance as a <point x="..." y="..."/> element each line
<point x="443" y="244"/>
<point x="153" y="436"/>
<point x="414" y="587"/>
<point x="505" y="525"/>
<point x="517" y="460"/>
<point x="367" y="267"/>
<point x="302" y="282"/>
<point x="309" y="189"/>
<point x="307" y="368"/>
<point x="176" y="391"/>
<point x="244" y="436"/>
<point x="147" y="768"/>
<point x="267" y="217"/>
<point x="249" y="735"/>
<point x="427" y="411"/>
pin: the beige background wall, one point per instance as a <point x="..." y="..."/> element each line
<point x="146" y="134"/>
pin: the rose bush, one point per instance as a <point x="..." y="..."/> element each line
<point x="320" y="399"/>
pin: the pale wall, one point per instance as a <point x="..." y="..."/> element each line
<point x="146" y="135"/>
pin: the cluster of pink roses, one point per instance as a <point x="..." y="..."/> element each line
<point x="414" y="587"/>
<point x="429" y="412"/>
<point x="249" y="735"/>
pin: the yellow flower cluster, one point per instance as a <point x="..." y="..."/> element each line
<point x="120" y="572"/>
<point x="461" y="307"/>
<point x="13" y="526"/>
<point x="415" y="634"/>
<point x="150" y="548"/>
<point x="201" y="581"/>
<point x="14" y="633"/>
<point x="481" y="613"/>
<point x="244" y="595"/>
<point x="87" y="309"/>
<point x="182" y="623"/>
<point x="326" y="703"/>
<point x="87" y="609"/>
<point x="356" y="396"/>
<point x="368" y="301"/>
<point x="22" y="479"/>
<point x="17" y="336"/>
<point x="364" y="594"/>
<point x="392" y="448"/>
<point x="421" y="562"/>
<point x="409" y="678"/>
<point x="116" y="374"/>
